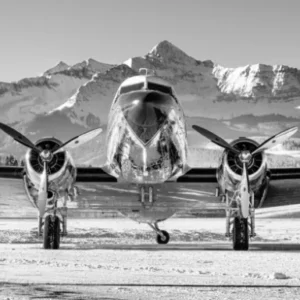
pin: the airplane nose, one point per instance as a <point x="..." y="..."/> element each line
<point x="146" y="112"/>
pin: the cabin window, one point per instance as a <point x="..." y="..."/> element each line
<point x="130" y="88"/>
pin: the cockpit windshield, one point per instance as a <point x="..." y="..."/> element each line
<point x="133" y="87"/>
<point x="160" y="88"/>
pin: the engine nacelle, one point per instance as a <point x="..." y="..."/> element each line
<point x="61" y="169"/>
<point x="230" y="172"/>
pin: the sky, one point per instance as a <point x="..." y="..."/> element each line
<point x="37" y="34"/>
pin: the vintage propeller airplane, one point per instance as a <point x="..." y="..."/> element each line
<point x="147" y="154"/>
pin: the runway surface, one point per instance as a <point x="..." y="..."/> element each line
<point x="118" y="259"/>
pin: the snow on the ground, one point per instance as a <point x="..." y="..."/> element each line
<point x="124" y="256"/>
<point x="94" y="233"/>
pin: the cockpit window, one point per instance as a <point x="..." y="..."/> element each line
<point x="159" y="88"/>
<point x="130" y="88"/>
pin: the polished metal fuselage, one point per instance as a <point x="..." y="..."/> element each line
<point x="146" y="138"/>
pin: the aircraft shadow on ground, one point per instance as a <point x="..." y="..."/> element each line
<point x="187" y="247"/>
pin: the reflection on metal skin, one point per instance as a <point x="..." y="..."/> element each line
<point x="230" y="170"/>
<point x="146" y="138"/>
<point x="168" y="198"/>
<point x="62" y="172"/>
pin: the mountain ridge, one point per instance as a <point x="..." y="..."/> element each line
<point x="258" y="99"/>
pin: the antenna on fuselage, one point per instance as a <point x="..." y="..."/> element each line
<point x="147" y="72"/>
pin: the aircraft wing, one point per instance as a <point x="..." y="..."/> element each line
<point x="13" y="172"/>
<point x="284" y="173"/>
<point x="209" y="174"/>
<point x="199" y="175"/>
<point x="93" y="175"/>
<point x="83" y="174"/>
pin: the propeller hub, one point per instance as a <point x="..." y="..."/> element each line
<point x="46" y="155"/>
<point x="245" y="157"/>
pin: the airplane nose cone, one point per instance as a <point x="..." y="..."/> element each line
<point x="146" y="112"/>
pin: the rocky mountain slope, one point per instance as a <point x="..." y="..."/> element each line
<point x="66" y="100"/>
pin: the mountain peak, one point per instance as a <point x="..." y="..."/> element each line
<point x="61" y="66"/>
<point x="166" y="51"/>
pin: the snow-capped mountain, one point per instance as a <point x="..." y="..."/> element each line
<point x="251" y="100"/>
<point x="204" y="88"/>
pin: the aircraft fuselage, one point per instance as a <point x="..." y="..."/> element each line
<point x="146" y="137"/>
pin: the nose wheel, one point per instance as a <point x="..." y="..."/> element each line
<point x="162" y="236"/>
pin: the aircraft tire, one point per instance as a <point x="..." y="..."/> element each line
<point x="159" y="239"/>
<point x="51" y="233"/>
<point x="240" y="234"/>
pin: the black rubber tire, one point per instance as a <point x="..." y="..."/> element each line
<point x="51" y="233"/>
<point x="159" y="239"/>
<point x="240" y="234"/>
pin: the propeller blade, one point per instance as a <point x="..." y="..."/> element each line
<point x="276" y="139"/>
<point x="214" y="138"/>
<point x="80" y="139"/>
<point x="17" y="136"/>
<point x="245" y="192"/>
<point x="43" y="191"/>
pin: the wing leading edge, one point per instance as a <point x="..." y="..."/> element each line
<point x="199" y="175"/>
<point x="93" y="175"/>
<point x="85" y="174"/>
<point x="284" y="173"/>
<point x="209" y="174"/>
<point x="12" y="172"/>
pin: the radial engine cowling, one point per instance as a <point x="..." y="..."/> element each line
<point x="232" y="166"/>
<point x="61" y="168"/>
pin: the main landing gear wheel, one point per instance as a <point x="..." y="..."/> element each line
<point x="163" y="239"/>
<point x="240" y="234"/>
<point x="51" y="233"/>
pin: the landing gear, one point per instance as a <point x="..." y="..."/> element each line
<point x="238" y="228"/>
<point x="64" y="227"/>
<point x="51" y="232"/>
<point x="40" y="225"/>
<point x="240" y="234"/>
<point x="64" y="213"/>
<point x="163" y="236"/>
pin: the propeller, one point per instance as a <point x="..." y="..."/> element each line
<point x="214" y="138"/>
<point x="245" y="157"/>
<point x="17" y="136"/>
<point x="43" y="190"/>
<point x="80" y="139"/>
<point x="276" y="139"/>
<point x="47" y="155"/>
<point x="267" y="144"/>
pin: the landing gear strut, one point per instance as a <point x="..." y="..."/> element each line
<point x="51" y="232"/>
<point x="40" y="225"/>
<point x="49" y="225"/>
<point x="64" y="213"/>
<point x="238" y="227"/>
<point x="163" y="236"/>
